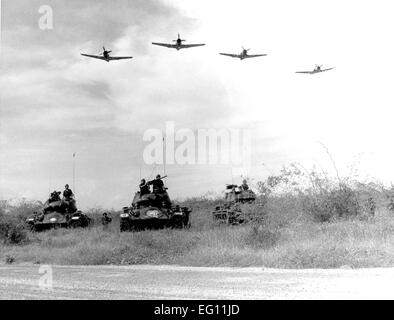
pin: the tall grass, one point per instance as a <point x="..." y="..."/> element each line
<point x="303" y="219"/>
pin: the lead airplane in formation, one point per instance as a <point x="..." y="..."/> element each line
<point x="178" y="44"/>
<point x="243" y="55"/>
<point x="105" y="56"/>
<point x="317" y="69"/>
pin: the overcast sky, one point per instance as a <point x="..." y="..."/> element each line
<point x="55" y="102"/>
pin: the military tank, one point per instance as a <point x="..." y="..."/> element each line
<point x="153" y="210"/>
<point x="231" y="212"/>
<point x="58" y="213"/>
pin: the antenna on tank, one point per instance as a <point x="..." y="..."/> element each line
<point x="74" y="172"/>
<point x="164" y="156"/>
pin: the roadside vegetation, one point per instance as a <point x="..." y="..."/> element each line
<point x="301" y="219"/>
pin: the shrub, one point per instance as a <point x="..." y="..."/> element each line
<point x="22" y="209"/>
<point x="324" y="205"/>
<point x="322" y="197"/>
<point x="12" y="232"/>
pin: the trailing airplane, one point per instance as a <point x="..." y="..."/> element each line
<point x="317" y="69"/>
<point x="243" y="55"/>
<point x="178" y="44"/>
<point x="105" y="56"/>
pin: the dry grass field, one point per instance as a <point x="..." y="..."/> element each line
<point x="321" y="224"/>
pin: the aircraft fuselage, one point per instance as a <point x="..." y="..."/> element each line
<point x="243" y="54"/>
<point x="178" y="44"/>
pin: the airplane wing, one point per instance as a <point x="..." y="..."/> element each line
<point x="307" y="72"/>
<point x="119" y="58"/>
<point x="93" y="56"/>
<point x="326" y="69"/>
<point x="230" y="55"/>
<point x="168" y="45"/>
<point x="254" y="55"/>
<point x="185" y="46"/>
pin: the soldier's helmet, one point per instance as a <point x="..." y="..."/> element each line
<point x="244" y="181"/>
<point x="143" y="181"/>
<point x="158" y="176"/>
<point x="66" y="186"/>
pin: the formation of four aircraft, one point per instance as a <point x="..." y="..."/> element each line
<point x="179" y="45"/>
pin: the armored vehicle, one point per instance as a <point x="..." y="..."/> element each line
<point x="58" y="213"/>
<point x="153" y="210"/>
<point x="231" y="212"/>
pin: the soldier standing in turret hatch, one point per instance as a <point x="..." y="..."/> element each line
<point x="144" y="187"/>
<point x="67" y="193"/>
<point x="244" y="185"/>
<point x="158" y="185"/>
<point x="68" y="198"/>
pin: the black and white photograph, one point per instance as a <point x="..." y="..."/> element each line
<point x="185" y="150"/>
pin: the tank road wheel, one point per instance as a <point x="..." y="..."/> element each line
<point x="85" y="222"/>
<point x="176" y="222"/>
<point x="75" y="224"/>
<point x="180" y="224"/>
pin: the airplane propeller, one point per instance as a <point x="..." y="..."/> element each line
<point x="105" y="50"/>
<point x="246" y="49"/>
<point x="179" y="38"/>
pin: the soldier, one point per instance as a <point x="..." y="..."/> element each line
<point x="144" y="187"/>
<point x="106" y="220"/>
<point x="158" y="185"/>
<point x="68" y="199"/>
<point x="244" y="185"/>
<point x="67" y="193"/>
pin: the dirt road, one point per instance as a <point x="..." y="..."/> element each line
<point x="173" y="282"/>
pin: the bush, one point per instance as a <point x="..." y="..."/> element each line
<point x="12" y="233"/>
<point x="339" y="202"/>
<point x="322" y="197"/>
<point x="22" y="209"/>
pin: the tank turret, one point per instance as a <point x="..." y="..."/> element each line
<point x="153" y="210"/>
<point x="231" y="211"/>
